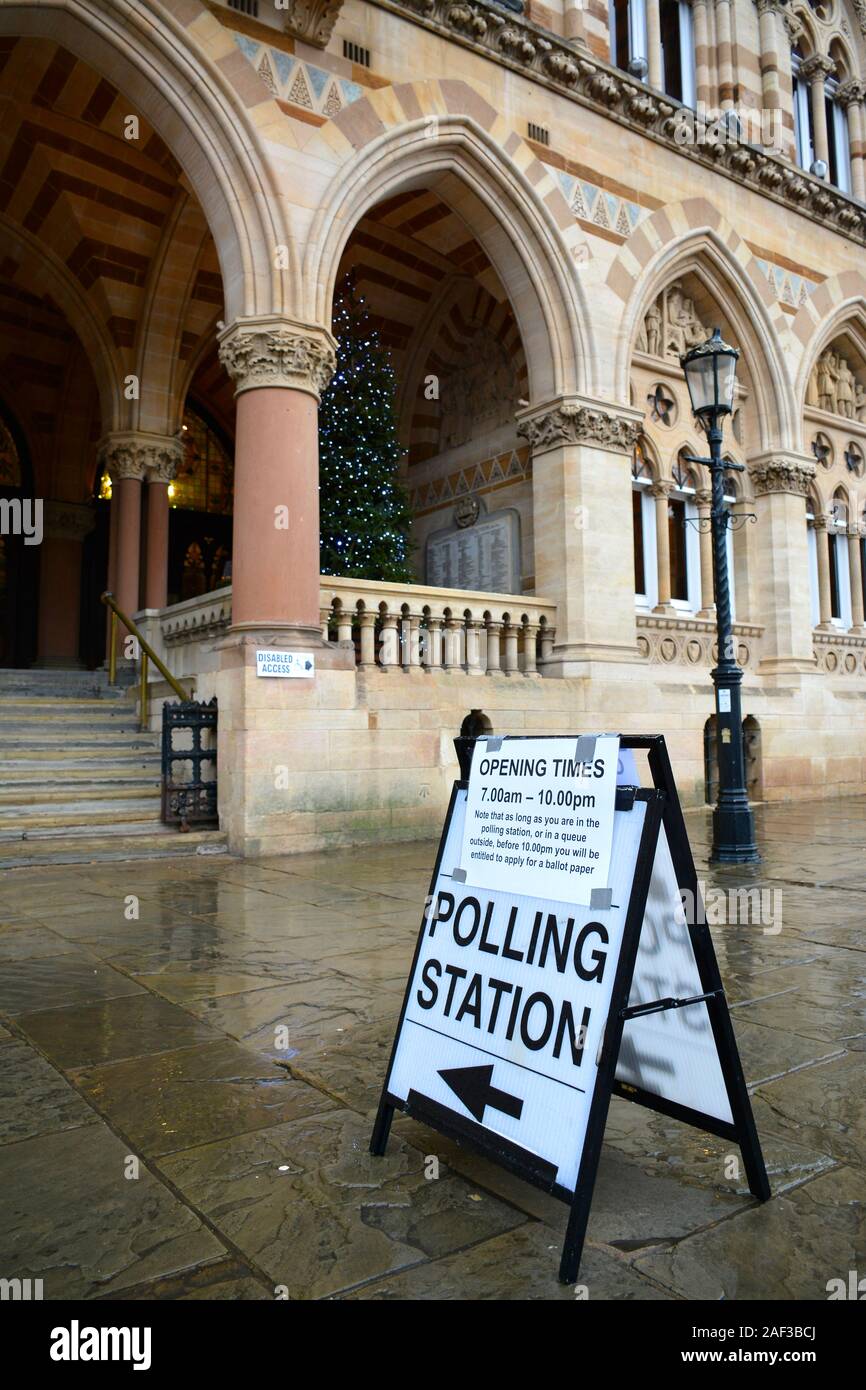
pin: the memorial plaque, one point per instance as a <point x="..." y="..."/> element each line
<point x="484" y="557"/>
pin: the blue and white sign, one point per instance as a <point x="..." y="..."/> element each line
<point x="286" y="664"/>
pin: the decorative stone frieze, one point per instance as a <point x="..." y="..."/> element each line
<point x="569" y="423"/>
<point x="568" y="67"/>
<point x="135" y="455"/>
<point x="692" y="642"/>
<point x="781" y="475"/>
<point x="312" y="21"/>
<point x="276" y="352"/>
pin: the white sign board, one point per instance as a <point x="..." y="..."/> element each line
<point x="539" y="816"/>
<point x="287" y="664"/>
<point x="508" y="1001"/>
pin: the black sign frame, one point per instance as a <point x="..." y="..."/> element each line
<point x="663" y="809"/>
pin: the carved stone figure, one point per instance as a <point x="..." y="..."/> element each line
<point x="845" y="389"/>
<point x="860" y="402"/>
<point x="653" y="328"/>
<point x="671" y="325"/>
<point x="828" y="378"/>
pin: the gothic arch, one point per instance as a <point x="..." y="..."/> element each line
<point x="47" y="273"/>
<point x="443" y="135"/>
<point x="202" y="97"/>
<point x="692" y="237"/>
<point x="837" y="303"/>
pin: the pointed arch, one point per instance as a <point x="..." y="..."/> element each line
<point x="201" y="96"/>
<point x="838" y="303"/>
<point x="693" y="238"/>
<point x="441" y="135"/>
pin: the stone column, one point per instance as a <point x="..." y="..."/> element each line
<point x="824" y="526"/>
<point x="493" y="631"/>
<point x="655" y="76"/>
<point x="768" y="27"/>
<point x="161" y="470"/>
<point x="781" y="485"/>
<point x="530" y="637"/>
<point x="703" y="54"/>
<point x="126" y="456"/>
<point x="851" y="95"/>
<point x="279" y="369"/>
<point x="725" y="54"/>
<point x="368" y="637"/>
<point x="511" y="664"/>
<point x="855" y="568"/>
<point x="708" y="599"/>
<point x="816" y="70"/>
<point x="581" y="490"/>
<point x="661" y="492"/>
<point x="65" y="527"/>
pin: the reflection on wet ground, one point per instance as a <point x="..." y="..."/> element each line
<point x="190" y="1053"/>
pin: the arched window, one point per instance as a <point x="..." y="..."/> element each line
<point x="683" y="538"/>
<point x="840" y="574"/>
<point x="675" y="59"/>
<point x="803" y="134"/>
<point x="644" y="530"/>
<point x="205" y="479"/>
<point x="628" y="37"/>
<point x="837" y="138"/>
<point x="678" y="50"/>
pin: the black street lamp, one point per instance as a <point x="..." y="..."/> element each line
<point x="711" y="376"/>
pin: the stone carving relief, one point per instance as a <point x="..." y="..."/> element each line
<point x="671" y="325"/>
<point x="579" y="424"/>
<point x="478" y="393"/>
<point x="834" y="387"/>
<point x="312" y="21"/>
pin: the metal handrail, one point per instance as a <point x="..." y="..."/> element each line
<point x="147" y="654"/>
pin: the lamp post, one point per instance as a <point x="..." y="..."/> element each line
<point x="711" y="376"/>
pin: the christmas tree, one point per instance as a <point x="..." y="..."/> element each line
<point x="364" y="509"/>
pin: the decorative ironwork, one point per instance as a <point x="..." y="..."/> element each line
<point x="192" y="801"/>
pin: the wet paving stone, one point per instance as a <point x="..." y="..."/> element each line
<point x="310" y="1012"/>
<point x="787" y="1248"/>
<point x="271" y="1142"/>
<point x="195" y="1095"/>
<point x="312" y="1207"/>
<point x="824" y="1107"/>
<point x="137" y="1025"/>
<point x="34" y="1097"/>
<point x="521" y="1265"/>
<point x="70" y="1217"/>
<point x="223" y="1280"/>
<point x="26" y="985"/>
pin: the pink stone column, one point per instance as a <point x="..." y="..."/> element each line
<point x="156" y="555"/>
<point x="127" y="490"/>
<point x="163" y="460"/>
<point x="280" y="369"/>
<point x="66" y="526"/>
<point x="275" y="552"/>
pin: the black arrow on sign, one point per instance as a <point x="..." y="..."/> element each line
<point x="472" y="1086"/>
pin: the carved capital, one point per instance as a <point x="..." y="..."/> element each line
<point x="135" y="455"/>
<point x="312" y="21"/>
<point x="817" y="68"/>
<point x="661" y="489"/>
<point x="781" y="475"/>
<point x="67" y="521"/>
<point x="276" y="352"/>
<point x="579" y="424"/>
<point x="851" y="92"/>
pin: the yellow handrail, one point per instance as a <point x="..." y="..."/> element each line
<point x="147" y="654"/>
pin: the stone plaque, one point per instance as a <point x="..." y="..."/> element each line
<point x="485" y="556"/>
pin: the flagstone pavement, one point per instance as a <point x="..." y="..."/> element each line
<point x="159" y="1139"/>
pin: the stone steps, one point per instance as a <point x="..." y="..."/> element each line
<point x="79" y="781"/>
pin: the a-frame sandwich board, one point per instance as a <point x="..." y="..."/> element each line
<point x="566" y="1125"/>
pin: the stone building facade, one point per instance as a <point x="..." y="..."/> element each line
<point x="542" y="206"/>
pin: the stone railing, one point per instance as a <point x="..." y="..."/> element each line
<point x="405" y="626"/>
<point x="685" y="641"/>
<point x="411" y="626"/>
<point x="840" y="653"/>
<point x="572" y="70"/>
